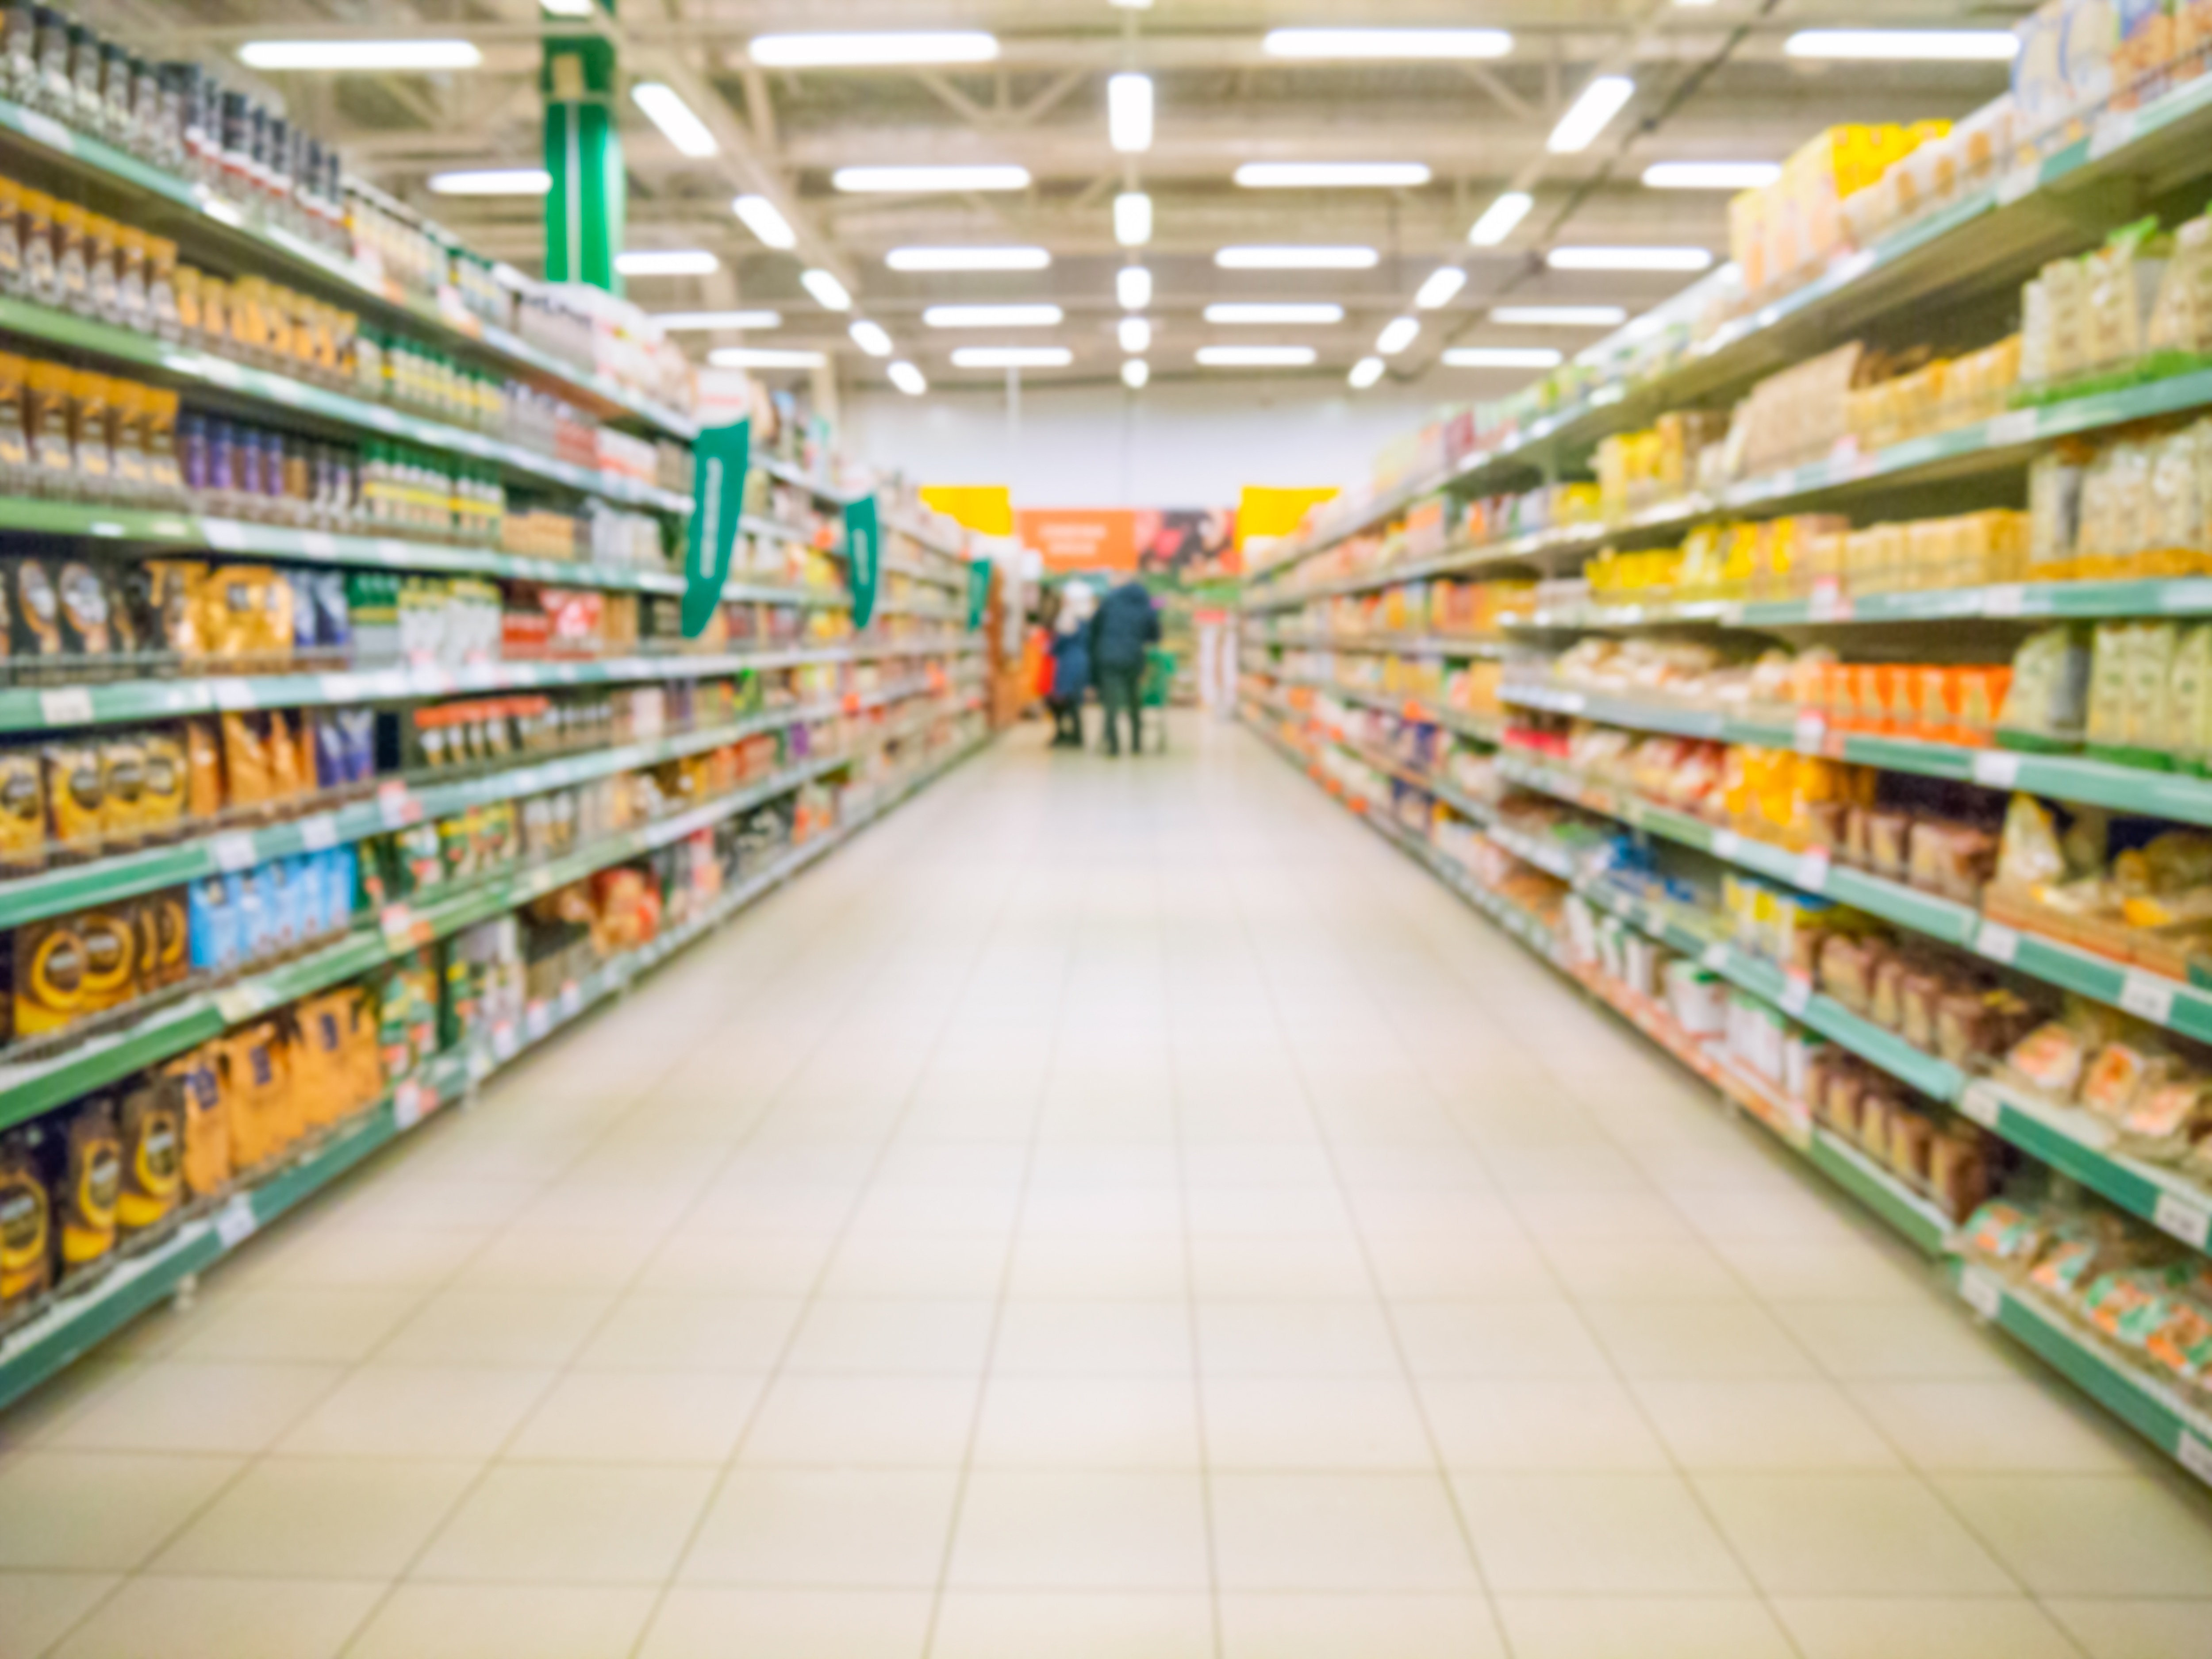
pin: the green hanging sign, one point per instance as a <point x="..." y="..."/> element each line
<point x="864" y="557"/>
<point x="979" y="591"/>
<point x="718" y="501"/>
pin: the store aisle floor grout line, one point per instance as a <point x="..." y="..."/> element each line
<point x="1147" y="1218"/>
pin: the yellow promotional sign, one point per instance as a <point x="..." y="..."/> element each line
<point x="987" y="509"/>
<point x="1268" y="512"/>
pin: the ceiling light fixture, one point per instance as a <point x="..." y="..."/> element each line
<point x="1397" y="334"/>
<point x="1132" y="218"/>
<point x="1387" y="43"/>
<point x="1499" y="218"/>
<point x="1264" y="356"/>
<point x="1332" y="175"/>
<point x="1135" y="334"/>
<point x="1294" y="312"/>
<point x="1135" y="372"/>
<point x="1710" y="175"/>
<point x="908" y="378"/>
<point x="1013" y="357"/>
<point x="1586" y="118"/>
<point x="1132" y="287"/>
<point x="870" y="338"/>
<point x="1502" y="357"/>
<point x="829" y="293"/>
<point x="923" y="181"/>
<point x="341" y="56"/>
<point x="992" y="316"/>
<point x="666" y="108"/>
<point x="1296" y="259"/>
<point x="1901" y="46"/>
<point x="1628" y="258"/>
<point x="666" y="262"/>
<point x="764" y="358"/>
<point x="1444" y="283"/>
<point x="1559" y="316"/>
<point x="492" y="181"/>
<point x="968" y="258"/>
<point x="679" y="321"/>
<point x="1129" y="112"/>
<point x="567" y="8"/>
<point x="1365" y="373"/>
<point x="872" y="51"/>
<point x="761" y="217"/>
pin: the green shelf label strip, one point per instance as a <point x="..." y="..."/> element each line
<point x="2183" y="596"/>
<point x="73" y="1325"/>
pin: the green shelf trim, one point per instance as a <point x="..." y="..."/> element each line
<point x="75" y="887"/>
<point x="2145" y="1404"/>
<point x="791" y="472"/>
<point x="25" y="1091"/>
<point x="283" y="394"/>
<point x="1908" y="1214"/>
<point x="1403" y="644"/>
<point x="2075" y="1142"/>
<point x="455" y="328"/>
<point x="74" y="1324"/>
<point x="2180" y="596"/>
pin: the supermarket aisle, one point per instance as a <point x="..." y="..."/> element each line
<point x="1111" y="1209"/>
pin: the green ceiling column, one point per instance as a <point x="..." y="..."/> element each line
<point x="584" y="210"/>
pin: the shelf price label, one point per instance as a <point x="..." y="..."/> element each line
<point x="1811" y="871"/>
<point x="537" y="1021"/>
<point x="397" y="806"/>
<point x="1715" y="956"/>
<point x="2147" y="996"/>
<point x="1996" y="942"/>
<point x="410" y="1104"/>
<point x="1980" y="1291"/>
<point x="233" y="852"/>
<point x="1727" y="844"/>
<point x="1996" y="768"/>
<point x="1978" y="1105"/>
<point x="319" y="834"/>
<point x="1811" y="729"/>
<point x="2007" y="600"/>
<point x="238" y="1003"/>
<point x="235" y="1223"/>
<point x="65" y="705"/>
<point x="2189" y="1219"/>
<point x="1797" y="994"/>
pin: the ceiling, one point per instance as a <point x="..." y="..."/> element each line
<point x="1711" y="82"/>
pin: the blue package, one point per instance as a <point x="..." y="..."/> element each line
<point x="245" y="891"/>
<point x="345" y="883"/>
<point x="333" y="624"/>
<point x="305" y="630"/>
<point x="213" y="920"/>
<point x="360" y="744"/>
<point x="330" y="750"/>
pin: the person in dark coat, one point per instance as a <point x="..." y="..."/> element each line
<point x="1070" y="667"/>
<point x="1126" y="625"/>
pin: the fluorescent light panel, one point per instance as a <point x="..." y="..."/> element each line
<point x="1132" y="218"/>
<point x="1332" y="175"/>
<point x="1444" y="283"/>
<point x="1559" y="316"/>
<point x="567" y="8"/>
<point x="1266" y="356"/>
<point x="1365" y="373"/>
<point x="764" y="358"/>
<point x="1591" y="112"/>
<point x="761" y="217"/>
<point x="829" y="293"/>
<point x="921" y="181"/>
<point x="1135" y="372"/>
<point x="681" y="321"/>
<point x="1387" y="43"/>
<point x="1013" y="357"/>
<point x="991" y="316"/>
<point x="1270" y="313"/>
<point x="968" y="258"/>
<point x="1296" y="259"/>
<point x="1397" y="334"/>
<point x="866" y="51"/>
<point x="492" y="181"/>
<point x="1628" y="258"/>
<point x="666" y="108"/>
<point x="908" y="378"/>
<point x="1502" y="357"/>
<point x="1134" y="334"/>
<point x="1132" y="287"/>
<point x="870" y="338"/>
<point x="1710" y="175"/>
<point x="1499" y="218"/>
<point x="1129" y="112"/>
<point x="360" y="55"/>
<point x="1900" y="46"/>
<point x="666" y="262"/>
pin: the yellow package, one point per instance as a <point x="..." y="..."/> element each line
<point x="206" y="1117"/>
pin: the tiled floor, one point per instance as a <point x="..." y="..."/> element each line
<point x="1112" y="1209"/>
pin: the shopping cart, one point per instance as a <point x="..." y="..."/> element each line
<point x="1152" y="697"/>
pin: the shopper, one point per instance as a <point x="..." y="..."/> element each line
<point x="1070" y="665"/>
<point x="1127" y="623"/>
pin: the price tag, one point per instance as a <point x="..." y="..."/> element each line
<point x="1812" y="872"/>
<point x="1996" y="941"/>
<point x="390" y="552"/>
<point x="504" y="1041"/>
<point x="397" y="808"/>
<point x="221" y="370"/>
<point x="237" y="1003"/>
<point x="1796" y="993"/>
<point x="1727" y="844"/>
<point x="1994" y="769"/>
<point x="410" y="1106"/>
<point x="397" y="922"/>
<point x="235" y="1223"/>
<point x="67" y="705"/>
<point x="2017" y="182"/>
<point x="1715" y="956"/>
<point x="1981" y="1106"/>
<point x="319" y="834"/>
<point x="2189" y="1219"/>
<point x="1979" y="1291"/>
<point x="2008" y="599"/>
<point x="2147" y="996"/>
<point x="572" y="1000"/>
<point x="1811" y="729"/>
<point x="1828" y="602"/>
<point x="320" y="544"/>
<point x="233" y="852"/>
<point x="537" y="1021"/>
<point x="2194" y="1455"/>
<point x="224" y="535"/>
<point x="2115" y="129"/>
<point x="234" y="695"/>
<point x="2014" y="427"/>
